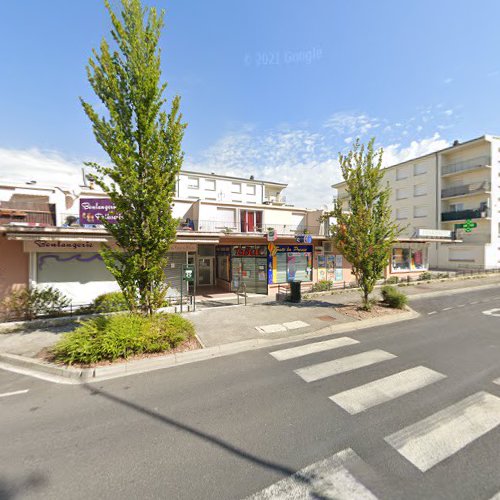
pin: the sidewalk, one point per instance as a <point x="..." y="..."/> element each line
<point x="262" y="318"/>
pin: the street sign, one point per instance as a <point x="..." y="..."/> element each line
<point x="188" y="273"/>
<point x="467" y="226"/>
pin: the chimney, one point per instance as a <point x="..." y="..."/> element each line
<point x="456" y="142"/>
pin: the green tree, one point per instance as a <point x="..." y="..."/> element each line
<point x="364" y="230"/>
<point x="143" y="143"/>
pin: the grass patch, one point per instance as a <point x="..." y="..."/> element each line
<point x="107" y="338"/>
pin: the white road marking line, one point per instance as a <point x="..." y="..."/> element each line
<point x="432" y="312"/>
<point x="293" y="325"/>
<point x="497" y="381"/>
<point x="329" y="368"/>
<point x="385" y="389"/>
<point x="328" y="478"/>
<point x="271" y="328"/>
<point x="430" y="441"/>
<point x="14" y="393"/>
<point x="460" y="305"/>
<point x="475" y="302"/>
<point x="304" y="350"/>
<point x="496" y="497"/>
<point x="492" y="312"/>
<point x="446" y="308"/>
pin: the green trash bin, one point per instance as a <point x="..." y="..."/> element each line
<point x="295" y="295"/>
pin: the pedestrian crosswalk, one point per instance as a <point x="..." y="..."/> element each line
<point x="424" y="443"/>
<point x="329" y="478"/>
<point x="382" y="390"/>
<point x="430" y="441"/>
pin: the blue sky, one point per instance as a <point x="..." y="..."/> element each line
<point x="269" y="88"/>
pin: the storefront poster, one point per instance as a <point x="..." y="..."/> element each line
<point x="338" y="274"/>
<point x="338" y="261"/>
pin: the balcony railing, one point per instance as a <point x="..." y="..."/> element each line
<point x="476" y="213"/>
<point x="20" y="213"/>
<point x="473" y="163"/>
<point x="211" y="226"/>
<point x="477" y="187"/>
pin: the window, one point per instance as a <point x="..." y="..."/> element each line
<point x="420" y="211"/>
<point x="402" y="213"/>
<point x="419" y="189"/>
<point x="292" y="266"/>
<point x="402" y="193"/>
<point x="236" y="187"/>
<point x="251" y="189"/>
<point x="210" y="184"/>
<point x="226" y="218"/>
<point x="456" y="207"/>
<point x="409" y="259"/>
<point x="401" y="173"/>
<point x="193" y="182"/>
<point x="419" y="169"/>
<point x="251" y="221"/>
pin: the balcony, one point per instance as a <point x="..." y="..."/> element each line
<point x="211" y="226"/>
<point x="23" y="213"/>
<point x="476" y="213"/>
<point x="462" y="166"/>
<point x="275" y="200"/>
<point x="467" y="189"/>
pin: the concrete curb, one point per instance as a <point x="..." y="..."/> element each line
<point x="63" y="375"/>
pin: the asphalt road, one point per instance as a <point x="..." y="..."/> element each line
<point x="415" y="413"/>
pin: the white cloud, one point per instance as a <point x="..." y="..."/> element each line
<point x="47" y="168"/>
<point x="447" y="81"/>
<point x="448" y="112"/>
<point x="395" y="153"/>
<point x="351" y="123"/>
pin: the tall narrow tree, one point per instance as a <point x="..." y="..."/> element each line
<point x="143" y="143"/>
<point x="364" y="230"/>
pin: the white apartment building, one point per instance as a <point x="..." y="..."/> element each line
<point x="441" y="191"/>
<point x="52" y="235"/>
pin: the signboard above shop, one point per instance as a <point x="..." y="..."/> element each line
<point x="94" y="210"/>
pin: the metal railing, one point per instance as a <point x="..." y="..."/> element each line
<point x="477" y="187"/>
<point x="476" y="213"/>
<point x="473" y="163"/>
<point x="241" y="292"/>
<point x="211" y="226"/>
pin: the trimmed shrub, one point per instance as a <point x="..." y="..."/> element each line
<point x="394" y="298"/>
<point x="34" y="302"/>
<point x="109" y="302"/>
<point x="121" y="336"/>
<point x="322" y="286"/>
<point x="425" y="276"/>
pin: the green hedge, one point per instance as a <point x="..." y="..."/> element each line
<point x="393" y="297"/>
<point x="121" y="336"/>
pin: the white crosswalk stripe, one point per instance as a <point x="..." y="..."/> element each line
<point x="303" y="350"/>
<point x="497" y="381"/>
<point x="430" y="441"/>
<point x="329" y="478"/>
<point x="385" y="389"/>
<point x="341" y="365"/>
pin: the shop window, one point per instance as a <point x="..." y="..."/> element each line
<point x="292" y="265"/>
<point x="409" y="259"/>
<point x="223" y="267"/>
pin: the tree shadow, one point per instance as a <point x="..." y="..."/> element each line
<point x="10" y="489"/>
<point x="306" y="479"/>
